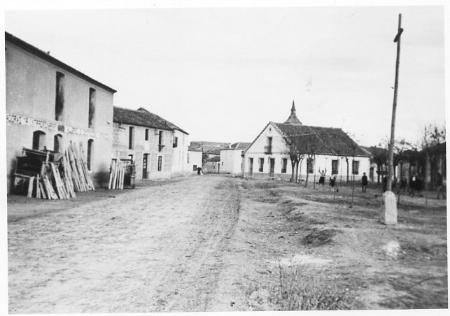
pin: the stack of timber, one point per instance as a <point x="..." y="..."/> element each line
<point x="117" y="175"/>
<point x="60" y="175"/>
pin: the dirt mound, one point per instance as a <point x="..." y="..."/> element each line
<point x="319" y="237"/>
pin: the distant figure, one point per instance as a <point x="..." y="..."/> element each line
<point x="199" y="171"/>
<point x="415" y="185"/>
<point x="333" y="183"/>
<point x="364" y="182"/>
<point x="440" y="187"/>
<point x="322" y="178"/>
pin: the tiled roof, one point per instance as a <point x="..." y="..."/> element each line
<point x="208" y="147"/>
<point x="142" y="117"/>
<point x="46" y="56"/>
<point x="240" y="146"/>
<point x="322" y="140"/>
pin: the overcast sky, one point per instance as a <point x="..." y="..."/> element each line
<point x="223" y="73"/>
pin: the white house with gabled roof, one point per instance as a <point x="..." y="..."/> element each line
<point x="322" y="149"/>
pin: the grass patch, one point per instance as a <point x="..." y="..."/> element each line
<point x="300" y="289"/>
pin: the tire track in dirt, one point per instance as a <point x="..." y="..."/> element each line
<point x="201" y="265"/>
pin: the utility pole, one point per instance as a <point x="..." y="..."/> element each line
<point x="394" y="107"/>
<point x="389" y="216"/>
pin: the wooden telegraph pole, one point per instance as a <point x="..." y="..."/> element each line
<point x="394" y="107"/>
<point x="390" y="205"/>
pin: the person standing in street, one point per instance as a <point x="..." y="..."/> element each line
<point x="364" y="182"/>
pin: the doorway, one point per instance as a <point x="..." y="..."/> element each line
<point x="271" y="167"/>
<point x="144" y="167"/>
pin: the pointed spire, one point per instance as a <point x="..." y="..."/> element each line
<point x="293" y="119"/>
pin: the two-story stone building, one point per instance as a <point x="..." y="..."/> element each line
<point x="158" y="147"/>
<point x="49" y="104"/>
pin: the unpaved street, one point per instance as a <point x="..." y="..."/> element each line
<point x="154" y="249"/>
<point x="216" y="243"/>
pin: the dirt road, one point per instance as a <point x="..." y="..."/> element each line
<point x="216" y="243"/>
<point x="154" y="249"/>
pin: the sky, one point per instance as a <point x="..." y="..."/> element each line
<point x="222" y="74"/>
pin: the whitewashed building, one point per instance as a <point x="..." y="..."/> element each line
<point x="195" y="156"/>
<point x="158" y="147"/>
<point x="322" y="149"/>
<point x="231" y="159"/>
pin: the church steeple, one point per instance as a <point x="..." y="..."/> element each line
<point x="293" y="119"/>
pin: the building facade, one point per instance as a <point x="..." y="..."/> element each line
<point x="320" y="149"/>
<point x="158" y="148"/>
<point x="195" y="158"/>
<point x="231" y="159"/>
<point x="50" y="104"/>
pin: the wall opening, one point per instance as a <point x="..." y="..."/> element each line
<point x="38" y="140"/>
<point x="145" y="166"/>
<point x="175" y="142"/>
<point x="131" y="137"/>
<point x="92" y="97"/>
<point x="57" y="143"/>
<point x="90" y="149"/>
<point x="355" y="167"/>
<point x="159" y="163"/>
<point x="59" y="99"/>
<point x="146" y="133"/>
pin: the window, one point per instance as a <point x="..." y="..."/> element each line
<point x="310" y="165"/>
<point x="57" y="143"/>
<point x="38" y="140"/>
<point x="91" y="107"/>
<point x="144" y="166"/>
<point x="159" y="163"/>
<point x="355" y="167"/>
<point x="89" y="153"/>
<point x="261" y="165"/>
<point x="194" y="168"/>
<point x="283" y="165"/>
<point x="175" y="142"/>
<point x="146" y="133"/>
<point x="160" y="141"/>
<point x="334" y="166"/>
<point x="131" y="138"/>
<point x="268" y="148"/>
<point x="59" y="99"/>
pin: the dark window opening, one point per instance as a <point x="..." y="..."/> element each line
<point x="175" y="142"/>
<point x="91" y="107"/>
<point x="144" y="166"/>
<point x="89" y="153"/>
<point x="131" y="137"/>
<point x="160" y="140"/>
<point x="38" y="140"/>
<point x="355" y="167"/>
<point x="194" y="168"/>
<point x="310" y="165"/>
<point x="59" y="99"/>
<point x="268" y="148"/>
<point x="261" y="164"/>
<point x="146" y="133"/>
<point x="334" y="166"/>
<point x="283" y="165"/>
<point x="57" y="143"/>
<point x="250" y="167"/>
<point x="159" y="163"/>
